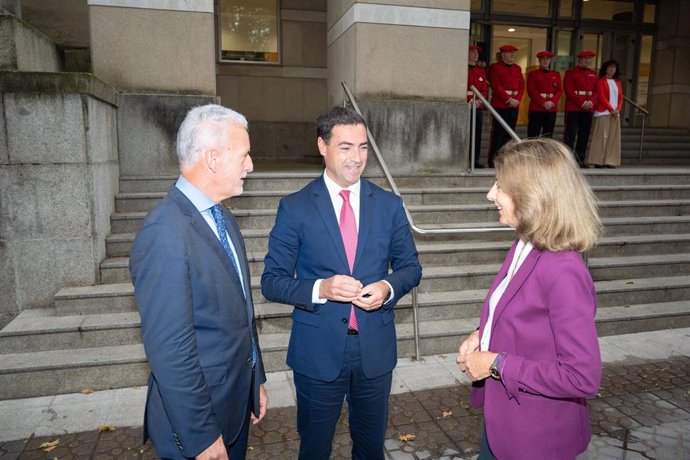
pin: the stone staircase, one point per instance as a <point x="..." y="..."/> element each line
<point x="661" y="146"/>
<point x="90" y="338"/>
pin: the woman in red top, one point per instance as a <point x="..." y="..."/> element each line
<point x="606" y="132"/>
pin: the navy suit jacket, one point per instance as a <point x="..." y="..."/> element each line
<point x="197" y="328"/>
<point x="305" y="245"/>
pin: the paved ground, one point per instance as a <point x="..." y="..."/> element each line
<point x="641" y="412"/>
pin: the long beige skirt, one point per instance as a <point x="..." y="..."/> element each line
<point x="605" y="149"/>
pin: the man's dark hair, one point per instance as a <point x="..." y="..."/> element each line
<point x="605" y="65"/>
<point x="336" y="116"/>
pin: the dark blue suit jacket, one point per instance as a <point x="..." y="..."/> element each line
<point x="197" y="329"/>
<point x="305" y="245"/>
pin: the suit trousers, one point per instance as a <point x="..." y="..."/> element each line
<point x="484" y="449"/>
<point x="606" y="141"/>
<point x="540" y="124"/>
<point x="320" y="403"/>
<point x="578" y="125"/>
<point x="499" y="136"/>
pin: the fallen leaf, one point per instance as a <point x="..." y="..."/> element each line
<point x="442" y="356"/>
<point x="48" y="446"/>
<point x="447" y="413"/>
<point x="629" y="282"/>
<point x="103" y="428"/>
<point x="407" y="437"/>
<point x="86" y="391"/>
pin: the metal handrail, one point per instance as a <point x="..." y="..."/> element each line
<point x="415" y="228"/>
<point x="645" y="112"/>
<point x="495" y="114"/>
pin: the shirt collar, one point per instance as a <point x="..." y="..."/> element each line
<point x="334" y="189"/>
<point x="200" y="201"/>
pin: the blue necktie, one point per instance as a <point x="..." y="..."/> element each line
<point x="217" y="212"/>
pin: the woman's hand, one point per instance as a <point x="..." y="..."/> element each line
<point x="478" y="364"/>
<point x="470" y="345"/>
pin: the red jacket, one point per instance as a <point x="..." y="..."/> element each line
<point x="604" y="97"/>
<point x="477" y="76"/>
<point x="542" y="86"/>
<point x="506" y="82"/>
<point x="579" y="85"/>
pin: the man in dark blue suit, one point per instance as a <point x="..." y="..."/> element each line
<point x="342" y="254"/>
<point x="192" y="288"/>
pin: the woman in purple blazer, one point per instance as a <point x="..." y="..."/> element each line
<point x="535" y="358"/>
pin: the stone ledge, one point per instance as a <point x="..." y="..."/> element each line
<point x="58" y="83"/>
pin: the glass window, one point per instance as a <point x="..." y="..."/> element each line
<point x="608" y="10"/>
<point x="476" y="6"/>
<point x="249" y="30"/>
<point x="528" y="40"/>
<point x="649" y="13"/>
<point x="593" y="42"/>
<point x="531" y="8"/>
<point x="565" y="9"/>
<point x="563" y="60"/>
<point x="643" y="70"/>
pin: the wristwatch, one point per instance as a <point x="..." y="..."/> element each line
<point x="497" y="366"/>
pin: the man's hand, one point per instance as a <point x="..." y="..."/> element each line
<point x="263" y="405"/>
<point x="587" y="105"/>
<point x="513" y="102"/>
<point x="215" y="451"/>
<point x="470" y="345"/>
<point x="340" y="288"/>
<point x="372" y="296"/>
<point x="548" y="105"/>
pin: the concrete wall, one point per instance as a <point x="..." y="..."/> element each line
<point x="147" y="126"/>
<point x="150" y="49"/>
<point x="58" y="178"/>
<point x="25" y="48"/>
<point x="282" y="101"/>
<point x="405" y="62"/>
<point x="671" y="67"/>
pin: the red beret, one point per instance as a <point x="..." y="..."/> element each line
<point x="545" y="54"/>
<point x="508" y="48"/>
<point x="475" y="48"/>
<point x="586" y="54"/>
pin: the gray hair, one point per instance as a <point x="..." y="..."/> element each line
<point x="192" y="139"/>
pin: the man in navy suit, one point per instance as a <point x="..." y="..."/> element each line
<point x="192" y="288"/>
<point x="342" y="254"/>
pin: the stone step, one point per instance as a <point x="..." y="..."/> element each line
<point x="100" y="298"/>
<point x="41" y="329"/>
<point x="143" y="201"/>
<point x="614" y="268"/>
<point x="270" y="181"/>
<point x="623" y="241"/>
<point x="52" y="372"/>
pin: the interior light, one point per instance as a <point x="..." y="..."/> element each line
<point x="511" y="29"/>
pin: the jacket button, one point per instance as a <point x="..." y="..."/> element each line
<point x="344" y="320"/>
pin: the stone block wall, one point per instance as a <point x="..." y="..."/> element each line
<point x="58" y="179"/>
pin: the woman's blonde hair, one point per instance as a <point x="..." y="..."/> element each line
<point x="554" y="205"/>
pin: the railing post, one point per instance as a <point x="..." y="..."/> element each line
<point x="639" y="160"/>
<point x="415" y="325"/>
<point x="473" y="133"/>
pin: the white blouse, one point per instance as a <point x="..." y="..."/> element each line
<point x="521" y="251"/>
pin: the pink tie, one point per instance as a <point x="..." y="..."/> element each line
<point x="348" y="230"/>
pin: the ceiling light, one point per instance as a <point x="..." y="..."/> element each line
<point x="511" y="29"/>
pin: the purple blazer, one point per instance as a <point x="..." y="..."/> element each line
<point x="545" y="322"/>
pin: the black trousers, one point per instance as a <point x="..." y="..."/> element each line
<point x="499" y="136"/>
<point x="540" y="124"/>
<point x="578" y="125"/>
<point x="476" y="137"/>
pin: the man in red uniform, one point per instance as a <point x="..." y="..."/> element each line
<point x="476" y="76"/>
<point x="544" y="89"/>
<point x="580" y="98"/>
<point x="507" y="89"/>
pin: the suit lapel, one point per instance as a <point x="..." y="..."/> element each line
<point x="516" y="283"/>
<point x="324" y="205"/>
<point x="366" y="207"/>
<point x="210" y="238"/>
<point x="502" y="273"/>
